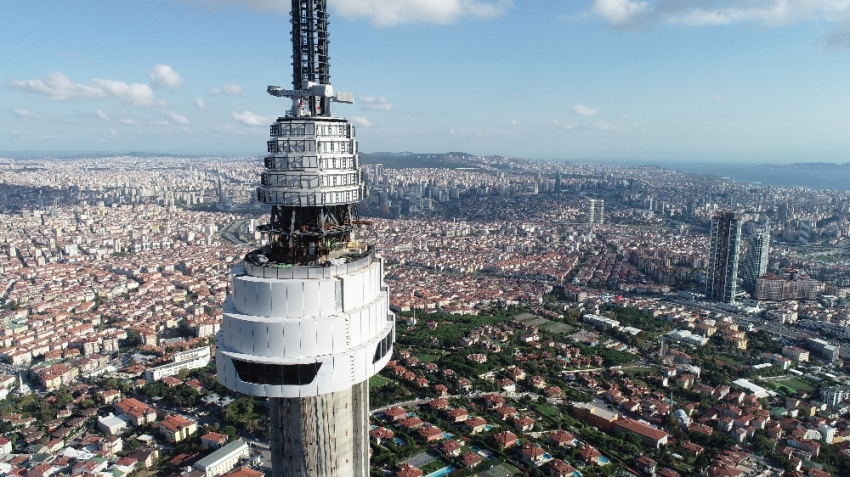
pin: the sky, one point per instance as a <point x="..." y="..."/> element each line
<point x="599" y="80"/>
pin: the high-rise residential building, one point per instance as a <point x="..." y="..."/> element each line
<point x="595" y="211"/>
<point x="725" y="244"/>
<point x="782" y="211"/>
<point x="805" y="232"/>
<point x="689" y="209"/>
<point x="755" y="259"/>
<point x="308" y="322"/>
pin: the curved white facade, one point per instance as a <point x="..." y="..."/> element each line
<point x="322" y="332"/>
<point x="311" y="162"/>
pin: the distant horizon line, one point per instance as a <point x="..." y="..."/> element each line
<point x="84" y="154"/>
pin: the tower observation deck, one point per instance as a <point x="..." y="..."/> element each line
<point x="308" y="322"/>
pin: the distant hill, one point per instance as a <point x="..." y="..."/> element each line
<point x="398" y="160"/>
<point x="822" y="166"/>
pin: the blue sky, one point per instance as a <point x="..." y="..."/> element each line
<point x="697" y="80"/>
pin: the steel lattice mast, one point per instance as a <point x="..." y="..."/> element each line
<point x="308" y="322"/>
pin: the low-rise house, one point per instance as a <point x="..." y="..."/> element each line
<point x="407" y="470"/>
<point x="134" y="411"/>
<point x="506" y="439"/>
<point x="475" y="425"/>
<point x="214" y="440"/>
<point x="456" y="415"/>
<point x="646" y="465"/>
<point x="559" y="468"/>
<point x="111" y="444"/>
<point x="561" y="439"/>
<point x="450" y="448"/>
<point x="379" y="435"/>
<point x="532" y="454"/>
<point x="470" y="459"/>
<point x="524" y="423"/>
<point x="430" y="434"/>
<point x="177" y="428"/>
<point x="111" y="425"/>
<point x="223" y="460"/>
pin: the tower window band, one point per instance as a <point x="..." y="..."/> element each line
<point x="276" y="374"/>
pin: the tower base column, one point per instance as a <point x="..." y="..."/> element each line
<point x="321" y="436"/>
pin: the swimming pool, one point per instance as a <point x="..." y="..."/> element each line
<point x="398" y="441"/>
<point x="577" y="474"/>
<point x="442" y="472"/>
<point x="488" y="427"/>
<point x="446" y="435"/>
<point x="603" y="460"/>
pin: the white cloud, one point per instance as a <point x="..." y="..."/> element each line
<point x="24" y="115"/>
<point x="57" y="87"/>
<point x="636" y="13"/>
<point x="375" y="104"/>
<point x="228" y="89"/>
<point x="135" y="94"/>
<point x="559" y="125"/>
<point x="620" y="13"/>
<point x="176" y="117"/>
<point x="389" y="13"/>
<point x="199" y="102"/>
<point x="582" y="110"/>
<point x="250" y="119"/>
<point x="127" y="121"/>
<point x="361" y="121"/>
<point x="160" y="122"/>
<point x="399" y="12"/>
<point x="514" y="123"/>
<point x="102" y="115"/>
<point x="164" y="76"/>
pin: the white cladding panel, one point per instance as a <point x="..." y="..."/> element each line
<point x="355" y="331"/>
<point x="291" y="339"/>
<point x="363" y="318"/>
<point x="340" y="339"/>
<point x="361" y="361"/>
<point x="342" y="371"/>
<point x="264" y="297"/>
<point x="325" y="335"/>
<point x="327" y="305"/>
<point x="308" y="337"/>
<point x="295" y="298"/>
<point x="325" y="378"/>
<point x="279" y="298"/>
<point x="238" y="295"/>
<point x="276" y="339"/>
<point x="312" y="298"/>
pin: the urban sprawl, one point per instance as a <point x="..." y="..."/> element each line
<point x="554" y="319"/>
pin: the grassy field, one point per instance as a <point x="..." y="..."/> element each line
<point x="547" y="410"/>
<point x="378" y="381"/>
<point x="555" y="327"/>
<point x="428" y="358"/>
<point x="794" y="384"/>
<point x="799" y="385"/>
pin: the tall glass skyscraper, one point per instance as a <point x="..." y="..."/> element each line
<point x="720" y="284"/>
<point x="755" y="259"/>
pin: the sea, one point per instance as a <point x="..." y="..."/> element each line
<point x="757" y="174"/>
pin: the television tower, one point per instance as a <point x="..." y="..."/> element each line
<point x="308" y="322"/>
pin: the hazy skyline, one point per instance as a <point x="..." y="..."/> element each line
<point x="588" y="79"/>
